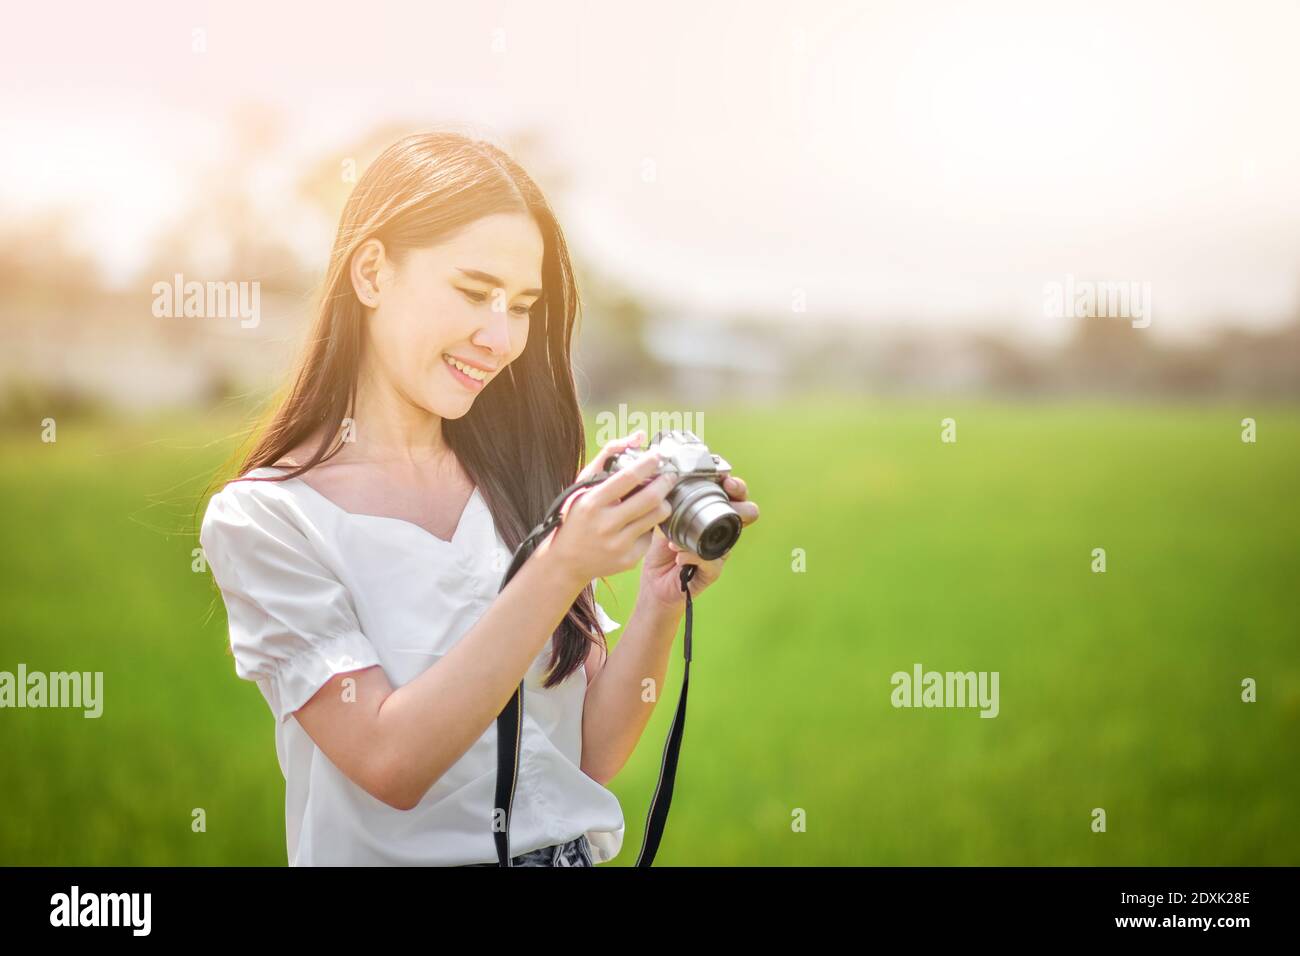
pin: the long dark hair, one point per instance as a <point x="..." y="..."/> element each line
<point x="522" y="441"/>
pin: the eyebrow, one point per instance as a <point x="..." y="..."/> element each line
<point x="494" y="281"/>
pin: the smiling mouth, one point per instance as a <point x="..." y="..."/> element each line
<point x="475" y="375"/>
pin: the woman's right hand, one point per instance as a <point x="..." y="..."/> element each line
<point x="603" y="534"/>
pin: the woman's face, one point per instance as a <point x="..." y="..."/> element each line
<point x="466" y="299"/>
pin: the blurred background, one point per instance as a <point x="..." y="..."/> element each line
<point x="964" y="292"/>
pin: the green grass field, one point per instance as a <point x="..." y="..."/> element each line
<point x="1119" y="690"/>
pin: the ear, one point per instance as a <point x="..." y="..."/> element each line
<point x="367" y="263"/>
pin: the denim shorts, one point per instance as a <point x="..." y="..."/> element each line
<point x="577" y="852"/>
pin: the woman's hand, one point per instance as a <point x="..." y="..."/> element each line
<point x="663" y="562"/>
<point x="606" y="529"/>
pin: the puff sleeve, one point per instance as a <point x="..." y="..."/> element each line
<point x="292" y="623"/>
<point x="607" y="623"/>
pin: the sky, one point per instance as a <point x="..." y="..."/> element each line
<point x="924" y="163"/>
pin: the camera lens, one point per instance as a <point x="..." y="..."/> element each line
<point x="719" y="537"/>
<point x="703" y="520"/>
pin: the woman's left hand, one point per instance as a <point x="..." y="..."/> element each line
<point x="663" y="562"/>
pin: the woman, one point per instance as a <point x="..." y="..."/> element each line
<point x="432" y="422"/>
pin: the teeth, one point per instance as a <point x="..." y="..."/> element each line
<point x="477" y="375"/>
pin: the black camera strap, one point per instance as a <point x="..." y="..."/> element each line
<point x="510" y="720"/>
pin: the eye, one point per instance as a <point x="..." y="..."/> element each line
<point x="520" y="310"/>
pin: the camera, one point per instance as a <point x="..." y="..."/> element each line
<point x="703" y="520"/>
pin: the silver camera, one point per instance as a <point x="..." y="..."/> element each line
<point x="703" y="520"/>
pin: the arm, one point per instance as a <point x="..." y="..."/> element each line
<point x="615" y="714"/>
<point x="395" y="744"/>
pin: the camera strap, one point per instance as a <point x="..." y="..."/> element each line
<point x="510" y="720"/>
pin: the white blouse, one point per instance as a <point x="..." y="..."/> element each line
<point x="312" y="590"/>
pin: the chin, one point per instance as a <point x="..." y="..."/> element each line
<point x="446" y="409"/>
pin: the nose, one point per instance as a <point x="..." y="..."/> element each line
<point x="494" y="335"/>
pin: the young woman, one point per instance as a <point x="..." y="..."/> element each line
<point x="431" y="423"/>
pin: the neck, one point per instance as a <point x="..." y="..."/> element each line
<point x="389" y="427"/>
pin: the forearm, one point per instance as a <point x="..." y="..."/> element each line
<point x="429" y="723"/>
<point x="617" y="709"/>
